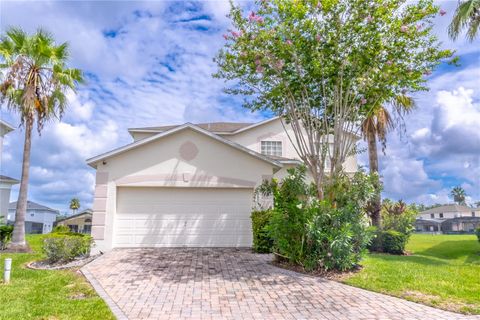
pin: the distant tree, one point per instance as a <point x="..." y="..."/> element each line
<point x="466" y="17"/>
<point x="34" y="81"/>
<point x="458" y="194"/>
<point x="74" y="205"/>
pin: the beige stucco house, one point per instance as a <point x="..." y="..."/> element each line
<point x="188" y="185"/>
<point x="80" y="222"/>
<point x="6" y="183"/>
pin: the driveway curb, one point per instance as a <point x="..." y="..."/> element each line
<point x="117" y="312"/>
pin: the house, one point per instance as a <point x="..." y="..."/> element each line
<point x="188" y="185"/>
<point x="39" y="219"/>
<point x="449" y="211"/>
<point x="451" y="218"/>
<point x="6" y="183"/>
<point x="80" y="222"/>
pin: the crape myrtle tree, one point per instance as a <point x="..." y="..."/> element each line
<point x="35" y="77"/>
<point x="324" y="66"/>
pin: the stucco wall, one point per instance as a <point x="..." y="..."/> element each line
<point x="47" y="218"/>
<point x="184" y="159"/>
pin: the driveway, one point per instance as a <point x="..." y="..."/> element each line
<point x="191" y="283"/>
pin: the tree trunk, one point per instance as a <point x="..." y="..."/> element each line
<point x="18" y="236"/>
<point x="373" y="163"/>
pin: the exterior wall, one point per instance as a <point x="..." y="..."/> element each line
<point x="47" y="218"/>
<point x="4" y="200"/>
<point x="184" y="159"/>
<point x="449" y="215"/>
<point x="79" y="222"/>
<point x="275" y="131"/>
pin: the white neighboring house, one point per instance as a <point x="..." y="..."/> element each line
<point x="6" y="183"/>
<point x="449" y="211"/>
<point x="39" y="218"/>
<point x="188" y="185"/>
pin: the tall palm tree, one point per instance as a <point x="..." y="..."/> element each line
<point x="375" y="127"/>
<point x="458" y="194"/>
<point x="74" y="205"/>
<point x="467" y="16"/>
<point x="35" y="81"/>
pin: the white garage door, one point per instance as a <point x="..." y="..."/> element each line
<point x="176" y="217"/>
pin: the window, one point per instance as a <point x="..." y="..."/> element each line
<point x="473" y="213"/>
<point x="272" y="148"/>
<point x="441" y="215"/>
<point x="432" y="215"/>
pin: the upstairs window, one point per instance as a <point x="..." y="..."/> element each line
<point x="272" y="148"/>
<point x="441" y="215"/>
<point x="432" y="215"/>
<point x="473" y="213"/>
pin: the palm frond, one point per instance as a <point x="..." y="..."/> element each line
<point x="466" y="15"/>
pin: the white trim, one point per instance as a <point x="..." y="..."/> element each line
<point x="255" y="125"/>
<point x="138" y="143"/>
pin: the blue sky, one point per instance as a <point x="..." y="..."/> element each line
<point x="150" y="63"/>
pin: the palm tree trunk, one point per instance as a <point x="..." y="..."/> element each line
<point x="18" y="236"/>
<point x="373" y="163"/>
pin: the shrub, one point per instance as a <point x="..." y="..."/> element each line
<point x="394" y="241"/>
<point x="66" y="247"/>
<point x="5" y="236"/>
<point x="61" y="229"/>
<point x="330" y="234"/>
<point x="477" y="232"/>
<point x="262" y="242"/>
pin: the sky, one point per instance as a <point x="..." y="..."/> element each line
<point x="151" y="63"/>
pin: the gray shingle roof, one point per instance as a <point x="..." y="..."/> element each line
<point x="32" y="206"/>
<point x="8" y="179"/>
<point x="210" y="126"/>
<point x="448" y="208"/>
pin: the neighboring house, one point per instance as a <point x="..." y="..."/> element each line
<point x="80" y="222"/>
<point x="6" y="183"/>
<point x="188" y="185"/>
<point x="448" y="219"/>
<point x="39" y="219"/>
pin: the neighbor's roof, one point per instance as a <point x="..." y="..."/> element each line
<point x="438" y="221"/>
<point x="94" y="160"/>
<point x="210" y="126"/>
<point x="32" y="206"/>
<point x="86" y="212"/>
<point x="448" y="208"/>
<point x="6" y="179"/>
<point x="7" y="126"/>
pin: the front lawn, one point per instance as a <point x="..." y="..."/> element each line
<point x="443" y="271"/>
<point x="44" y="294"/>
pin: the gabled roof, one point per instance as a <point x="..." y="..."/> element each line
<point x="86" y="212"/>
<point x="133" y="145"/>
<point x="219" y="127"/>
<point x="5" y="127"/>
<point x="32" y="206"/>
<point x="448" y="208"/>
<point x="8" y="180"/>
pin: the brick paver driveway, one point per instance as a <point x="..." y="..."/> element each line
<point x="217" y="283"/>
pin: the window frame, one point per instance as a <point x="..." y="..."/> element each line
<point x="271" y="148"/>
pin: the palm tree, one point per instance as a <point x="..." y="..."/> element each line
<point x="74" y="205"/>
<point x="34" y="85"/>
<point x="458" y="194"/>
<point x="375" y="127"/>
<point x="467" y="16"/>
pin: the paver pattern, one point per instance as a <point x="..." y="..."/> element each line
<point x="202" y="283"/>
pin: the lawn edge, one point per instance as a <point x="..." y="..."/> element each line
<point x="117" y="312"/>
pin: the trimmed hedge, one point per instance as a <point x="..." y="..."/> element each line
<point x="61" y="229"/>
<point x="394" y="241"/>
<point x="477" y="232"/>
<point x="64" y="247"/>
<point x="262" y="242"/>
<point x="5" y="236"/>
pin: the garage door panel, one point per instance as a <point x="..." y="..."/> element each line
<point x="163" y="217"/>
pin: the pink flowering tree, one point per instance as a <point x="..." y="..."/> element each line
<point x="324" y="65"/>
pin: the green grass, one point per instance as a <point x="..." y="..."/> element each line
<point x="443" y="271"/>
<point x="45" y="294"/>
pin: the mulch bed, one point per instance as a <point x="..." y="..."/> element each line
<point x="46" y="265"/>
<point x="322" y="273"/>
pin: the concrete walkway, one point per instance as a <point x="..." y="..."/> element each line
<point x="189" y="283"/>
